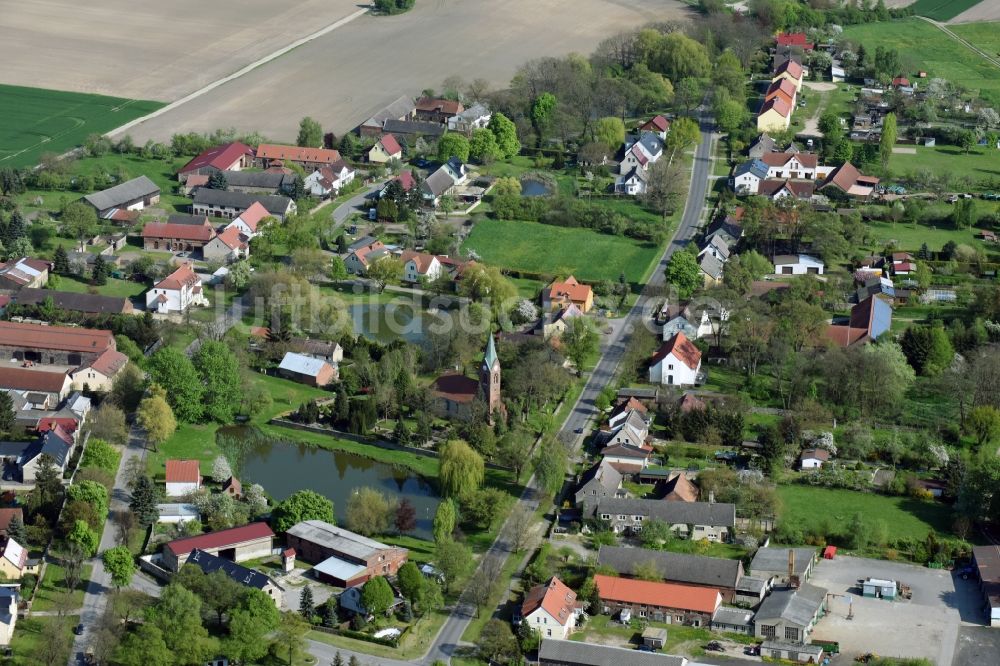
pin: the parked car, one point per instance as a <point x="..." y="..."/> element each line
<point x="78" y="629"/>
<point x="715" y="646"/>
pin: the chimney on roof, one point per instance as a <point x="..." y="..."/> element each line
<point x="793" y="580"/>
<point x="711" y="497"/>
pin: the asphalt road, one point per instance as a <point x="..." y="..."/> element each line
<point x="611" y="354"/>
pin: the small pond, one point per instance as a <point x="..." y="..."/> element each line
<point x="386" y="323"/>
<point x="534" y="188"/>
<point x="284" y="467"/>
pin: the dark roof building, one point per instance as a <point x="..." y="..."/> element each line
<point x="124" y="195"/>
<point x="219" y="202"/>
<point x="696" y="513"/>
<point x="722" y="574"/>
<point x="209" y="563"/>
<point x="572" y="653"/>
<point x="65" y="300"/>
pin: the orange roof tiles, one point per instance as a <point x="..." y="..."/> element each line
<point x="555" y="598"/>
<point x="253" y="215"/>
<point x="793" y="68"/>
<point x="109" y="363"/>
<point x="25" y="379"/>
<point x="569" y="288"/>
<point x="195" y="232"/>
<point x="780" y="106"/>
<point x="270" y="151"/>
<point x="682" y="349"/>
<point x="183" y="471"/>
<point x="664" y="595"/>
<point x="37" y="336"/>
<point x="183" y="276"/>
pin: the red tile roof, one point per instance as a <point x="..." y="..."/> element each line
<point x="183" y="471"/>
<point x="555" y="598"/>
<point x="657" y="122"/>
<point x="682" y="349"/>
<point x="253" y="215"/>
<point x="435" y="105"/>
<point x="172" y="231"/>
<point x="7" y="515"/>
<point x="64" y="424"/>
<point x="406" y="179"/>
<point x="795" y="39"/>
<point x="569" y="288"/>
<point x="801" y="189"/>
<point x="779" y="105"/>
<point x="390" y="145"/>
<point x="25" y="379"/>
<point x="37" y="336"/>
<point x="220" y="539"/>
<point x="62" y="433"/>
<point x="818" y="454"/>
<point x="782" y="88"/>
<point x="231" y="238"/>
<point x="900" y="81"/>
<point x="272" y="151"/>
<point x="664" y="595"/>
<point x="631" y="403"/>
<point x="421" y="259"/>
<point x="183" y="276"/>
<point x="456" y="387"/>
<point x="793" y="68"/>
<point x="109" y="363"/>
<point x="220" y="157"/>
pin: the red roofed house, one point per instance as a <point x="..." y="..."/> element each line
<point x="437" y="110"/>
<point x="900" y="82"/>
<point x="677" y="363"/>
<point x="550" y="609"/>
<point x="13" y="559"/>
<point x="774" y="116"/>
<point x="385" y="149"/>
<point x="790" y="70"/>
<point x="848" y="180"/>
<point x="100" y="373"/>
<point x="237" y="544"/>
<point x="183" y="477"/>
<point x="54" y="385"/>
<point x="798" y="166"/>
<point x="658" y="125"/>
<point x="248" y="222"/>
<point x="308" y="158"/>
<point x="328" y="180"/>
<point x="61" y="345"/>
<point x="782" y="88"/>
<point x="174" y="237"/>
<point x="419" y="266"/>
<point x="227" y="157"/>
<point x="798" y="39"/>
<point x="660" y="602"/>
<point x="24" y="272"/>
<point x="176" y="292"/>
<point x="360" y="257"/>
<point x="231" y="245"/>
<point x="561" y="293"/>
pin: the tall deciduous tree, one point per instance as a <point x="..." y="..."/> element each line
<point x="302" y="505"/>
<point x="175" y="372"/>
<point x="406" y="517"/>
<point x="156" y="417"/>
<point x="580" y="341"/>
<point x="455" y="561"/>
<point x="220" y="374"/>
<point x="684" y="133"/>
<point x="461" y="469"/>
<point x="368" y="512"/>
<point x="550" y="465"/>
<point x="118" y="562"/>
<point x="683" y="273"/>
<point x="376" y="596"/>
<point x="505" y="131"/>
<point x="610" y="131"/>
<point x="310" y="133"/>
<point x="452" y="144"/>
<point x="888" y="139"/>
<point x="385" y="270"/>
<point x="177" y="613"/>
<point x="445" y="519"/>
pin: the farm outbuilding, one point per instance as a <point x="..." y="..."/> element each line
<point x="878" y="588"/>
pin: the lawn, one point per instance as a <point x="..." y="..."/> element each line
<point x="680" y="639"/>
<point x="52" y="587"/>
<point x="925" y="47"/>
<point x="550" y="250"/>
<point x="807" y="507"/>
<point x="910" y="237"/>
<point x="412" y="646"/>
<point x="38" y="121"/>
<point x="942" y="10"/>
<point x="980" y="164"/>
<point x="114" y="287"/>
<point x="26" y="644"/>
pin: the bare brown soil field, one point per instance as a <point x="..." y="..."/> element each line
<point x="148" y="50"/>
<point x="344" y="76"/>
<point x="984" y="11"/>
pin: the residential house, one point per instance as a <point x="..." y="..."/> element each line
<point x="13" y="559"/>
<point x="9" y="596"/>
<point x="326" y="350"/>
<point x="748" y="176"/>
<point x="406" y="182"/>
<point x="790" y="70"/>
<point x="248" y="222"/>
<point x="679" y="324"/>
<point x="678" y="488"/>
<point x="307" y="370"/>
<point x="385" y="149"/>
<point x="46" y="388"/>
<point x="716" y="247"/>
<point x="174" y="237"/>
<point x="230" y="205"/>
<point x="176" y="292"/>
<point x="813" y="458"/>
<point x="26" y="457"/>
<point x="402" y="108"/>
<point x="774" y="564"/>
<point x="600" y="481"/>
<point x="797" y="166"/>
<point x="775" y="189"/>
<point x="53" y="345"/>
<point x="789" y="615"/>
<point x="561" y="293"/>
<point x="270" y="154"/>
<point x="987" y="562"/>
<point x="797" y="264"/>
<point x="774" y="116"/>
<point x="719" y="573"/>
<point x="437" y="110"/>
<point x="329" y="180"/>
<point x="362" y="252"/>
<point x="419" y="266"/>
<point x="553" y="652"/>
<point x="440" y="183"/>
<point x="227" y="157"/>
<point x="260" y="182"/>
<point x="88" y="304"/>
<point x="7" y="515"/>
<point x="98" y="374"/>
<point x="677" y="363"/>
<point x="659" y="602"/>
<point x="632" y="182"/>
<point x="475" y="117"/>
<point x="761" y="146"/>
<point x="848" y="181"/>
<point x="903" y="263"/>
<point x="236" y="544"/>
<point x="624" y="412"/>
<point x="227" y="247"/>
<point x="694" y="520"/>
<point x="232" y="487"/>
<point x="625" y="446"/>
<point x="249" y="578"/>
<point x="795" y="39"/>
<point x="554" y="324"/>
<point x="183" y="477"/>
<point x="350" y="599"/>
<point x="658" y="125"/>
<point x="782" y="89"/>
<point x="869" y="319"/>
<point x="23" y="273"/>
<point x="413" y="129"/>
<point x="550" y="609"/>
<point x="344" y="558"/>
<point x="135" y="194"/>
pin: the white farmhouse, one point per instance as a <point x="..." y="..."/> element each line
<point x="550" y="609"/>
<point x="176" y="292"/>
<point x="419" y="266"/>
<point x="797" y="264"/>
<point x="677" y="363"/>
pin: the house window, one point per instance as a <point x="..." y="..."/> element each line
<point x="606" y="516"/>
<point x="670" y="366"/>
<point x="642" y="613"/>
<point x="548" y="631"/>
<point x="768" y="630"/>
<point x="791" y="634"/>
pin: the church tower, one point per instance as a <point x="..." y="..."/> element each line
<point x="489" y="378"/>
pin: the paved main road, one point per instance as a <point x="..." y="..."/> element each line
<point x="450" y="635"/>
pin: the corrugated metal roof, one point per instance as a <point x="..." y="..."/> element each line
<point x="302" y="364"/>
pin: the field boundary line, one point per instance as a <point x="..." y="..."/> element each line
<point x="240" y="72"/>
<point x="961" y="40"/>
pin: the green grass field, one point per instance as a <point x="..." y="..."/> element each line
<point x="942" y="10"/>
<point x="808" y="507"/>
<point x="923" y="47"/>
<point x="38" y="121"/>
<point x="980" y="164"/>
<point x="542" y="248"/>
<point x="114" y="287"/>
